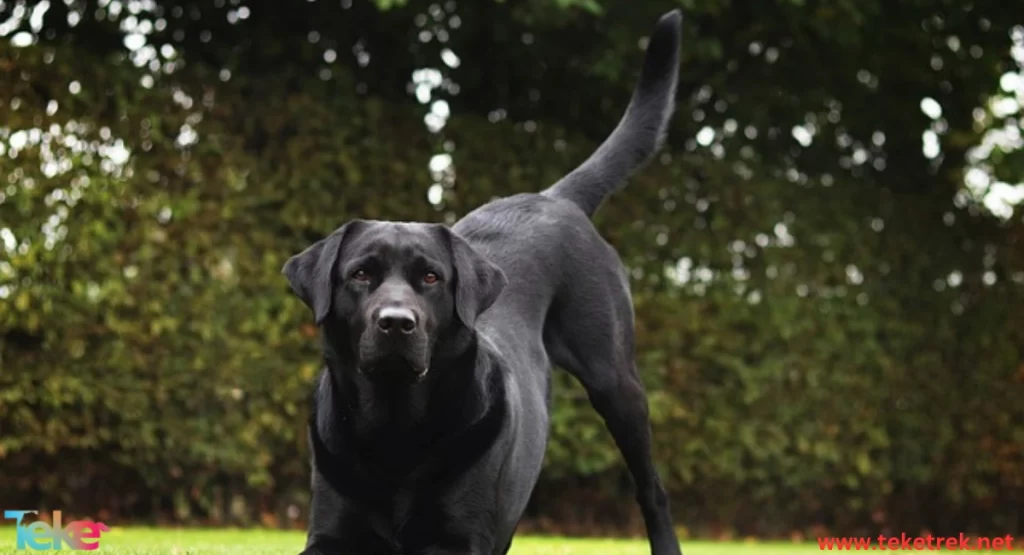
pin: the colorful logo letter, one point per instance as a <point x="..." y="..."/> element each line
<point x="40" y="536"/>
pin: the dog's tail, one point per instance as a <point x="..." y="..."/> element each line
<point x="640" y="132"/>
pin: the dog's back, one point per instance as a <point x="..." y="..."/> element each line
<point x="545" y="242"/>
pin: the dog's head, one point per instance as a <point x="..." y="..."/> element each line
<point x="387" y="294"/>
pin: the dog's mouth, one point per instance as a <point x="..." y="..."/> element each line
<point x="397" y="359"/>
<point x="406" y="364"/>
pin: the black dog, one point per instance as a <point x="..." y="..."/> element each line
<point x="431" y="417"/>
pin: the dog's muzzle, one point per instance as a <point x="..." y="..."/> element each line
<point x="394" y="342"/>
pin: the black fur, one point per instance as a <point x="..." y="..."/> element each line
<point x="641" y="131"/>
<point x="428" y="438"/>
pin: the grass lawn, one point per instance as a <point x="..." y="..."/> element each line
<point x="149" y="541"/>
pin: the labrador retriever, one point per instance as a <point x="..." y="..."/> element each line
<point x="430" y="419"/>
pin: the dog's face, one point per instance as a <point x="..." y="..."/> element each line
<point x="387" y="293"/>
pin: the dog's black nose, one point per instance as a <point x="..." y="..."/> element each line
<point x="401" y="319"/>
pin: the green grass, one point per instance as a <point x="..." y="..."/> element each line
<point x="149" y="541"/>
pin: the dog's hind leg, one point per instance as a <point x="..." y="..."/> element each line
<point x="589" y="333"/>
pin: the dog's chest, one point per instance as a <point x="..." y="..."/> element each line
<point x="411" y="523"/>
<point x="401" y="512"/>
<point x="386" y="520"/>
<point x="404" y="522"/>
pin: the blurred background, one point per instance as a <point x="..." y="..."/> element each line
<point x="827" y="258"/>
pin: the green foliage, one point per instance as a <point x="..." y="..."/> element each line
<point x="830" y="334"/>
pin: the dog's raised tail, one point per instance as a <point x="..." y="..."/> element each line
<point x="642" y="129"/>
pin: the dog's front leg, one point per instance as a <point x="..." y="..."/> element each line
<point x="474" y="548"/>
<point x="323" y="545"/>
<point x="323" y="548"/>
<point x="327" y="519"/>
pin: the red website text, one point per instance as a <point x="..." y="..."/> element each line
<point x="904" y="542"/>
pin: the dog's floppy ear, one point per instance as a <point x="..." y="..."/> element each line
<point x="311" y="272"/>
<point x="478" y="282"/>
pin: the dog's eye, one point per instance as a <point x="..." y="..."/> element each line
<point x="360" y="275"/>
<point x="430" y="277"/>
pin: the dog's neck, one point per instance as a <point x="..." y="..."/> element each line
<point x="391" y="420"/>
